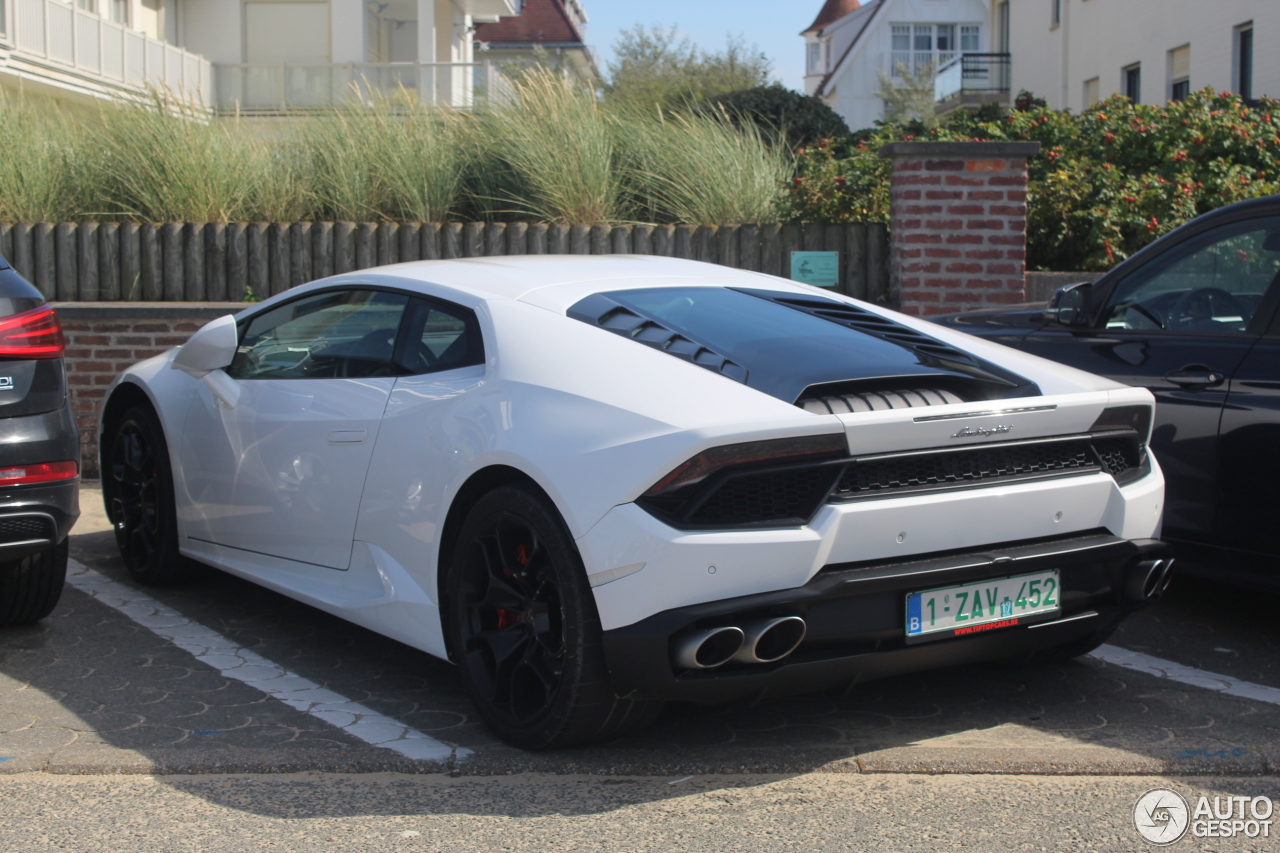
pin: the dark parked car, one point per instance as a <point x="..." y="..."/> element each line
<point x="1193" y="317"/>
<point x="39" y="454"/>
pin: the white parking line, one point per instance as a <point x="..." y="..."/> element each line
<point x="211" y="648"/>
<point x="1186" y="674"/>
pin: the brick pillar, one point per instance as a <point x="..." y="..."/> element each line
<point x="958" y="225"/>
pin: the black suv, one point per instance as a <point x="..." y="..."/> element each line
<point x="39" y="454"/>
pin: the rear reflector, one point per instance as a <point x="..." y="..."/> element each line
<point x="44" y="472"/>
<point x="31" y="334"/>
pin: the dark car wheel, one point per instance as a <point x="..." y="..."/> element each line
<point x="30" y="587"/>
<point x="524" y="629"/>
<point x="139" y="486"/>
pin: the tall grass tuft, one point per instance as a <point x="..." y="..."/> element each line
<point x="700" y="169"/>
<point x="160" y="159"/>
<point x="396" y="159"/>
<point x="549" y="154"/>
<point x="41" y="172"/>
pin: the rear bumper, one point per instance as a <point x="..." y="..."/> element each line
<point x="855" y="615"/>
<point x="38" y="516"/>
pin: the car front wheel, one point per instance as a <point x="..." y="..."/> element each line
<point x="139" y="486"/>
<point x="524" y="629"/>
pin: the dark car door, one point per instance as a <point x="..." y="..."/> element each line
<point x="1249" y="451"/>
<point x="1181" y="325"/>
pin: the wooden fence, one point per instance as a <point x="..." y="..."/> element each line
<point x="225" y="262"/>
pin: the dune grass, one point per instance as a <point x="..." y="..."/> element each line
<point x="552" y="153"/>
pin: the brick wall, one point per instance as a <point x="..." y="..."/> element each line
<point x="958" y="225"/>
<point x="105" y="338"/>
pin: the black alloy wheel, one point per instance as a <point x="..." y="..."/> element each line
<point x="524" y="628"/>
<point x="140" y="499"/>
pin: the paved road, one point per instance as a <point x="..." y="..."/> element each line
<point x="92" y="690"/>
<point x="815" y="813"/>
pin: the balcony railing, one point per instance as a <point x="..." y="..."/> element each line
<point x="107" y="56"/>
<point x="973" y="77"/>
<point x="282" y="88"/>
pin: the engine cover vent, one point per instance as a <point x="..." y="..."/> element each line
<point x="875" y="401"/>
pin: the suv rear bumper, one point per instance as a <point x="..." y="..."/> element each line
<point x="855" y="618"/>
<point x="38" y="516"/>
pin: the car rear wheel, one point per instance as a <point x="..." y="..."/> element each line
<point x="139" y="486"/>
<point x="30" y="587"/>
<point x="524" y="629"/>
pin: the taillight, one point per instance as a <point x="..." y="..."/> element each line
<point x="776" y="451"/>
<point x="44" y="472"/>
<point x="31" y="334"/>
<point x="778" y="483"/>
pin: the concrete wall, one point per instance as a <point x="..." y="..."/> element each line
<point x="1099" y="38"/>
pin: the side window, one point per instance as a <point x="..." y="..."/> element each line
<point x="1212" y="283"/>
<point x="439" y="336"/>
<point x="337" y="334"/>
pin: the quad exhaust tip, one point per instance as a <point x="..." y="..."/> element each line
<point x="1148" y="580"/>
<point x="709" y="648"/>
<point x="771" y="640"/>
<point x="763" y="641"/>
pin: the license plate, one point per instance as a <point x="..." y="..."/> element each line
<point x="973" y="608"/>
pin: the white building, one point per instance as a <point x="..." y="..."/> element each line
<point x="254" y="56"/>
<point x="1074" y="53"/>
<point x="851" y="44"/>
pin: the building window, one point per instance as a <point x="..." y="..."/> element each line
<point x="920" y="47"/>
<point x="1244" y="60"/>
<point x="120" y="12"/>
<point x="1091" y="92"/>
<point x="87" y="5"/>
<point x="1132" y="81"/>
<point x="1055" y="12"/>
<point x="1002" y="24"/>
<point x="969" y="39"/>
<point x="815" y="57"/>
<point x="1180" y="73"/>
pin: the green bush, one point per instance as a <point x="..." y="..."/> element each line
<point x="803" y="119"/>
<point x="1108" y="181"/>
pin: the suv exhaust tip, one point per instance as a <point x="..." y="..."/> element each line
<point x="1148" y="580"/>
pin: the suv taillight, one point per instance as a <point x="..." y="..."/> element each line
<point x="31" y="334"/>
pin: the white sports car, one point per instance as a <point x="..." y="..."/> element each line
<point x="596" y="484"/>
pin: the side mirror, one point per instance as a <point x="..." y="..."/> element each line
<point x="209" y="350"/>
<point x="1069" y="305"/>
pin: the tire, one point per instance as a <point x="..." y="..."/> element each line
<point x="524" y="629"/>
<point x="30" y="587"/>
<point x="139" y="484"/>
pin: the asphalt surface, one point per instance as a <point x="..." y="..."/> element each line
<point x="815" y="813"/>
<point x="91" y="690"/>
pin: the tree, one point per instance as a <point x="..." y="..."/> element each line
<point x="654" y="68"/>
<point x="912" y="99"/>
<point x="803" y="119"/>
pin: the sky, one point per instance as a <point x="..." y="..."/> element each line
<point x="770" y="25"/>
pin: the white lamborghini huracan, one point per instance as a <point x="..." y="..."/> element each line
<point x="599" y="483"/>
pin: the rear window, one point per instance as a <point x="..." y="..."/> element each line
<point x="783" y="350"/>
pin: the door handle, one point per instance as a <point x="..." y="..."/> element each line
<point x="348" y="436"/>
<point x="1195" y="376"/>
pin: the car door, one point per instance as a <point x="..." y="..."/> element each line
<point x="1249" y="450"/>
<point x="281" y="473"/>
<point x="1181" y="325"/>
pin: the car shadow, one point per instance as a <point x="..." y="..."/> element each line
<point x="128" y="689"/>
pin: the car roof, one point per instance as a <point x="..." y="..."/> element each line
<point x="557" y="281"/>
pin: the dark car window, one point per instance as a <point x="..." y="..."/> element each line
<point x="439" y="336"/>
<point x="337" y="334"/>
<point x="1212" y="283"/>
